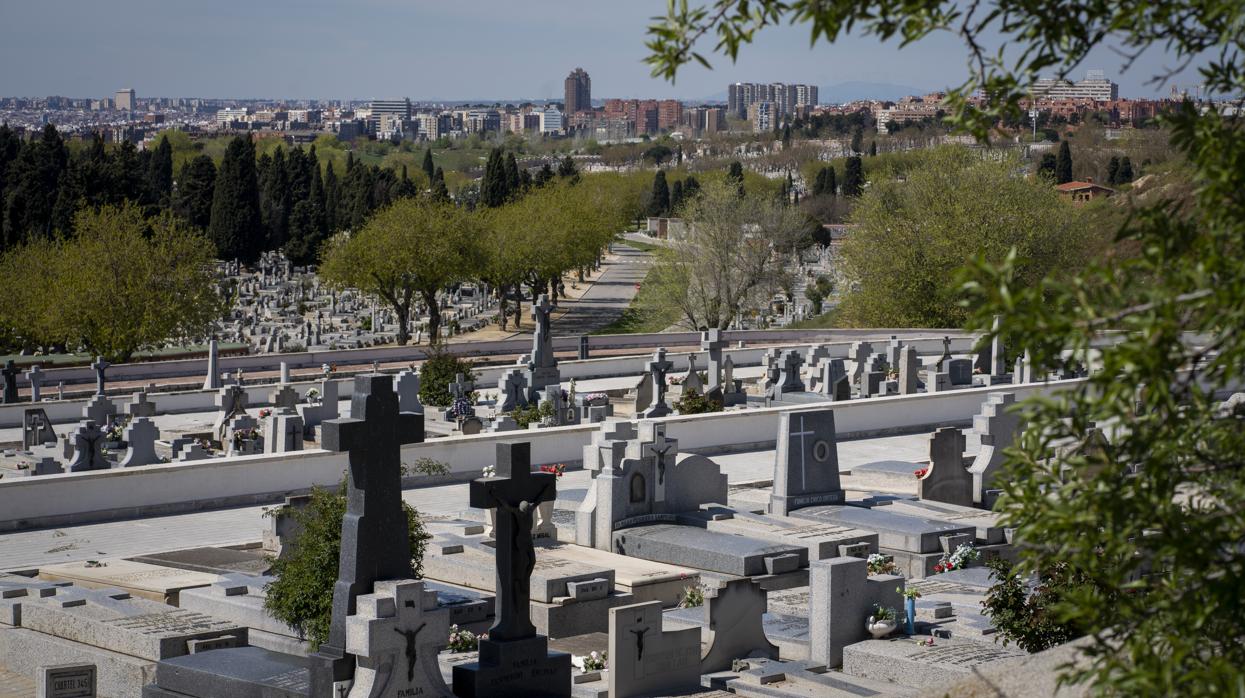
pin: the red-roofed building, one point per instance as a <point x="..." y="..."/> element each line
<point x="1081" y="192"/>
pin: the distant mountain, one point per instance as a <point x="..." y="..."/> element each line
<point x="855" y="89"/>
<point x="847" y="92"/>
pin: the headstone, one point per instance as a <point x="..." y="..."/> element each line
<point x="806" y="462"/>
<point x="36" y="428"/>
<point x="733" y="393"/>
<point x="285" y="399"/>
<point x="997" y="425"/>
<point x="841" y="597"/>
<point x="946" y="354"/>
<point x="789" y="380"/>
<point x="66" y="681"/>
<point x="230" y="402"/>
<point x="100" y="366"/>
<point x="88" y="448"/>
<point x="35" y="377"/>
<point x="512" y="386"/>
<point x="9" y="373"/>
<point x="99" y="409"/>
<point x="212" y="380"/>
<point x="514" y="660"/>
<point x="712" y="343"/>
<point x="283" y="432"/>
<point x="858" y="353"/>
<point x="407" y="385"/>
<point x="395" y="639"/>
<point x="834" y="381"/>
<point x="735" y="632"/>
<point x="960" y="371"/>
<point x="140" y="439"/>
<point x="909" y="367"/>
<point x="946" y="479"/>
<point x="872" y="384"/>
<point x="937" y="381"/>
<point x="374" y="531"/>
<point x="543" y="367"/>
<point x="192" y="452"/>
<point x="139" y="406"/>
<point x="998" y="354"/>
<point x="645" y="660"/>
<point x="656" y="369"/>
<point x="583" y="347"/>
<point x="285" y="372"/>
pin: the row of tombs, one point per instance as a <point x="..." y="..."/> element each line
<point x="682" y="582"/>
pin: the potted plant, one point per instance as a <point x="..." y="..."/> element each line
<point x="882" y="623"/>
<point x="910" y="595"/>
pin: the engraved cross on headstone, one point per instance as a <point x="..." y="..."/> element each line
<point x="515" y="492"/>
<point x="100" y="366"/>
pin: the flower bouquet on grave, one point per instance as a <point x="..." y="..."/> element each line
<point x="556" y="468"/>
<point x="460" y="409"/>
<point x="881" y="564"/>
<point x="595" y="661"/>
<point x="265" y="413"/>
<point x="598" y="399"/>
<point x="920" y="472"/>
<point x="957" y="560"/>
<point x="313" y="396"/>
<point x="462" y="640"/>
<point x="242" y="437"/>
<point x="674" y="380"/>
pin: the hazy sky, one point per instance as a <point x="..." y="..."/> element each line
<point x="461" y="49"/>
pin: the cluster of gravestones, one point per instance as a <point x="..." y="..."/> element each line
<point x="278" y="305"/>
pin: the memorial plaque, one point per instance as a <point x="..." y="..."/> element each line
<point x="66" y="681"/>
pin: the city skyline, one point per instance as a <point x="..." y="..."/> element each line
<point x="313" y="50"/>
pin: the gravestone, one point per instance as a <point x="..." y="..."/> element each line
<point x="543" y="366"/>
<point x="813" y="359"/>
<point x="192" y="452"/>
<point x="937" y="381"/>
<point x="66" y="681"/>
<point x="842" y="596"/>
<point x="139" y="406"/>
<point x="872" y="384"/>
<point x="9" y="373"/>
<point x="691" y="380"/>
<point x="946" y="479"/>
<point x="656" y="369"/>
<point x="101" y="381"/>
<point x="960" y="371"/>
<point x="997" y="425"/>
<point x="643" y="394"/>
<point x="230" y="402"/>
<point x="395" y="639"/>
<point x="946" y="354"/>
<point x="583" y="347"/>
<point x="514" y="660"/>
<point x="407" y="385"/>
<point x="733" y="393"/>
<point x="734" y="612"/>
<point x="36" y="428"/>
<point x="909" y="367"/>
<point x="140" y="438"/>
<point x="834" y="381"/>
<point x="87" y="442"/>
<point x="858" y="353"/>
<point x="283" y="432"/>
<point x="712" y="343"/>
<point x="789" y="380"/>
<point x="512" y="386"/>
<point x="35" y="378"/>
<point x="998" y="353"/>
<point x="212" y="380"/>
<point x="99" y="409"/>
<point x="374" y="530"/>
<point x="646" y="660"/>
<point x="806" y="462"/>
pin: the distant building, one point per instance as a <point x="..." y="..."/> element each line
<point x="125" y="99"/>
<point x="400" y="108"/>
<point x="669" y="114"/>
<point x="550" y="120"/>
<point x="1082" y="192"/>
<point x="578" y="92"/>
<point x="787" y="98"/>
<point x="763" y="116"/>
<point x="226" y="118"/>
<point x="1095" y="86"/>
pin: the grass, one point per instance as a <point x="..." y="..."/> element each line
<point x="641" y="246"/>
<point x="825" y="321"/>
<point x="639" y="317"/>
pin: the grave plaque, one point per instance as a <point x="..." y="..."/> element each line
<point x="644" y="659"/>
<point x="66" y="681"/>
<point x="806" y="462"/>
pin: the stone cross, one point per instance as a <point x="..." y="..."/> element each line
<point x="286" y="399"/>
<point x="230" y="401"/>
<point x="35" y="377"/>
<point x="375" y="544"/>
<point x="9" y="372"/>
<point x="140" y="407"/>
<point x="88" y="445"/>
<point x="711" y="342"/>
<point x="140" y="437"/>
<point x="100" y="366"/>
<point x="946" y="354"/>
<point x="654" y="444"/>
<point x="542" y="339"/>
<point x="513" y="389"/>
<point x="515" y="492"/>
<point x="395" y="641"/>
<point x="859" y="354"/>
<point x="656" y="368"/>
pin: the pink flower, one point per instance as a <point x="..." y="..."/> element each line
<point x="920" y="473"/>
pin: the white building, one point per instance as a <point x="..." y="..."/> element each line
<point x="550" y="121"/>
<point x="1095" y="86"/>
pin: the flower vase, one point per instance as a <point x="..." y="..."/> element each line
<point x="910" y="611"/>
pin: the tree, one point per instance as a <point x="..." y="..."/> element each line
<point x="567" y="168"/>
<point x="857" y="140"/>
<point x="676" y="197"/>
<point x="32" y="185"/>
<point x="160" y="173"/>
<point x="236" y="227"/>
<point x="853" y="177"/>
<point x="818" y="291"/>
<point x="1047" y="167"/>
<point x="735" y="176"/>
<point x="544" y="175"/>
<point x="192" y="199"/>
<point x="950" y="203"/>
<point x="150" y="282"/>
<point x="1063" y="164"/>
<point x="825" y="182"/>
<point x="659" y="200"/>
<point x="301" y="592"/>
<point x="429" y="168"/>
<point x="735" y="253"/>
<point x="873" y="148"/>
<point x="332" y="197"/>
<point x="1113" y="171"/>
<point x="410" y="250"/>
<point x="275" y="200"/>
<point x="438" y="191"/>
<point x="1126" y="171"/>
<point x="1155" y="517"/>
<point x="514" y="182"/>
<point x="494" y="186"/>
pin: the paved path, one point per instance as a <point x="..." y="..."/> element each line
<point x="25" y="550"/>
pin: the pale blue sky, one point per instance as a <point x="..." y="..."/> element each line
<point x="475" y="49"/>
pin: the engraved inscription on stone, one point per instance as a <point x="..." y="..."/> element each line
<point x="963" y="655"/>
<point x="172" y="622"/>
<point x="926" y="586"/>
<point x="665" y="662"/>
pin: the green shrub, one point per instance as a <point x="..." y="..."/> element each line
<point x="1034" y="619"/>
<point x="692" y="402"/>
<point x="438" y="372"/>
<point x="301" y="595"/>
<point x="532" y="414"/>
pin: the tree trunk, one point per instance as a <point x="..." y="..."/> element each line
<point x="501" y="311"/>
<point x="404" y="323"/>
<point x="434" y="316"/>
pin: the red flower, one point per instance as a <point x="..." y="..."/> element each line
<point x="921" y="472"/>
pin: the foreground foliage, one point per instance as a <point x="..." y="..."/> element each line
<point x="301" y="593"/>
<point x="1155" y="520"/>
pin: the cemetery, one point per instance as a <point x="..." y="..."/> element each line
<point x="750" y="513"/>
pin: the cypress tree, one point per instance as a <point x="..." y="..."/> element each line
<point x="514" y="182"/>
<point x="160" y="172"/>
<point x="349" y="161"/>
<point x="873" y="148"/>
<point x="857" y="138"/>
<point x="31" y="188"/>
<point x="1126" y="171"/>
<point x="853" y="177"/>
<point x="193" y="198"/>
<point x="428" y="167"/>
<point x="275" y="202"/>
<point x="1063" y="164"/>
<point x="659" y="200"/>
<point x="525" y="180"/>
<point x="1047" y="167"/>
<point x="332" y="196"/>
<point x="691" y="186"/>
<point x="567" y="168"/>
<point x="786" y="135"/>
<point x="735" y="175"/>
<point x="493" y="192"/>
<point x="676" y="196"/>
<point x="406" y="186"/>
<point x="544" y="175"/>
<point x="236" y="227"/>
<point x="1113" y="171"/>
<point x="439" y="190"/>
